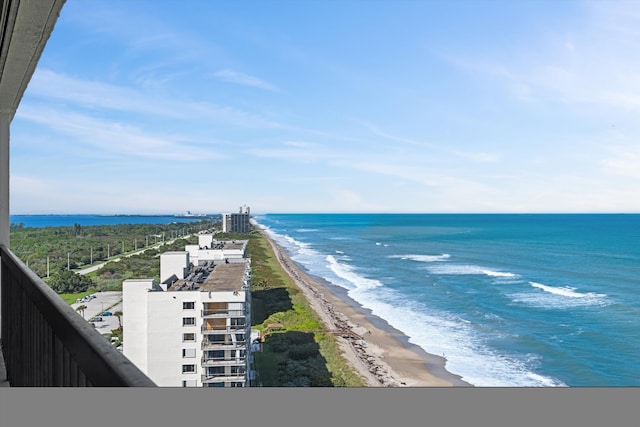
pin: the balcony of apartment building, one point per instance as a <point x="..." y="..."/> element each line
<point x="223" y="341"/>
<point x="224" y="374"/>
<point x="43" y="341"/>
<point x="223" y="310"/>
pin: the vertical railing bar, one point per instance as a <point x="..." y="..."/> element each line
<point x="42" y="338"/>
<point x="73" y="372"/>
<point x="58" y="361"/>
<point x="49" y="357"/>
<point x="66" y="367"/>
<point x="20" y="336"/>
<point x="31" y="344"/>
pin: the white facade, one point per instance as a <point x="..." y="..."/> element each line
<point x="210" y="249"/>
<point x="176" y="262"/>
<point x="194" y="332"/>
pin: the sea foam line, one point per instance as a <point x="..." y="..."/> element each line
<point x="423" y="258"/>
<point x="566" y="291"/>
<point x="443" y="333"/>
<point x="348" y="273"/>
<point x="463" y="269"/>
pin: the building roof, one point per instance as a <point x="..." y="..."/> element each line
<point x="212" y="277"/>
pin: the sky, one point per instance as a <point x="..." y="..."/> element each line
<point x="153" y="107"/>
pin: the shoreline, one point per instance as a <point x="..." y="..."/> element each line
<point x="379" y="353"/>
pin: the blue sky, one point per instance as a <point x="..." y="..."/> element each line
<point x="333" y="106"/>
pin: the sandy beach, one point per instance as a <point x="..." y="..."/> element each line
<point x="381" y="354"/>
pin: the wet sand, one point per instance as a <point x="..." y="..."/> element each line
<point x="381" y="354"/>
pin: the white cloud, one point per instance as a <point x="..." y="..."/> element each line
<point x="244" y="79"/>
<point x="78" y="92"/>
<point x="112" y="137"/>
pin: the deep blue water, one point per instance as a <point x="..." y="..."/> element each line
<point x="88" y="220"/>
<point x="510" y="300"/>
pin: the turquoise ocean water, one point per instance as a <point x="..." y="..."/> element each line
<point x="510" y="300"/>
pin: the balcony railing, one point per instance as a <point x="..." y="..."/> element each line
<point x="222" y="329"/>
<point x="217" y="378"/>
<point x="213" y="314"/>
<point x="223" y="362"/>
<point x="47" y="344"/>
<point x="223" y="345"/>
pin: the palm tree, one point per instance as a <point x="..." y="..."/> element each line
<point x="118" y="314"/>
<point x="81" y="308"/>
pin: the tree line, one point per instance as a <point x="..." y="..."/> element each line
<point x="53" y="252"/>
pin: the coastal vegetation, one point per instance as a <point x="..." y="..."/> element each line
<point x="55" y="253"/>
<point x="294" y="354"/>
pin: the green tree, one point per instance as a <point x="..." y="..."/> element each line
<point x="68" y="282"/>
<point x="118" y="314"/>
<point x="81" y="308"/>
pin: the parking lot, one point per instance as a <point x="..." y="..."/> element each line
<point x="103" y="301"/>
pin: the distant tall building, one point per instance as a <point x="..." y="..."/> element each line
<point x="194" y="328"/>
<point x="236" y="222"/>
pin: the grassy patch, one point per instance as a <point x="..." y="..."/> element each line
<point x="294" y="357"/>
<point x="71" y="298"/>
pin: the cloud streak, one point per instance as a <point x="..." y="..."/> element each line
<point x="237" y="77"/>
<point x="112" y="137"/>
<point x="51" y="85"/>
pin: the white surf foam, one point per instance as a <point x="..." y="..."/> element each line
<point x="559" y="297"/>
<point x="566" y="291"/>
<point x="423" y="258"/>
<point x="464" y="269"/>
<point x="349" y="274"/>
<point x="441" y="333"/>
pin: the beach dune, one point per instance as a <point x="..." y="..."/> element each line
<point x="381" y="355"/>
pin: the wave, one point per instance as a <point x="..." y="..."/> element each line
<point x="307" y="230"/>
<point x="423" y="258"/>
<point x="566" y="291"/>
<point x="464" y="269"/>
<point x="348" y="273"/>
<point x="458" y="340"/>
<point x="559" y="297"/>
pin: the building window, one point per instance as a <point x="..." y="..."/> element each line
<point x="188" y="321"/>
<point x="237" y="321"/>
<point x="216" y="354"/>
<point x="189" y="337"/>
<point x="188" y="352"/>
<point x="188" y="369"/>
<point x="188" y="305"/>
<point x="238" y="370"/>
<point x="215" y="370"/>
<point x="237" y="384"/>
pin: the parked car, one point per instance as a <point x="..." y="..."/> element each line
<point x="107" y="313"/>
<point x="96" y="319"/>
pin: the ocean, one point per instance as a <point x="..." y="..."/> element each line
<point x="40" y="221"/>
<point x="510" y="300"/>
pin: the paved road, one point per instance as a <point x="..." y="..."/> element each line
<point x="99" y="266"/>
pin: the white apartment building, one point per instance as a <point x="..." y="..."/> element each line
<point x="236" y="222"/>
<point x="210" y="249"/>
<point x="194" y="330"/>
